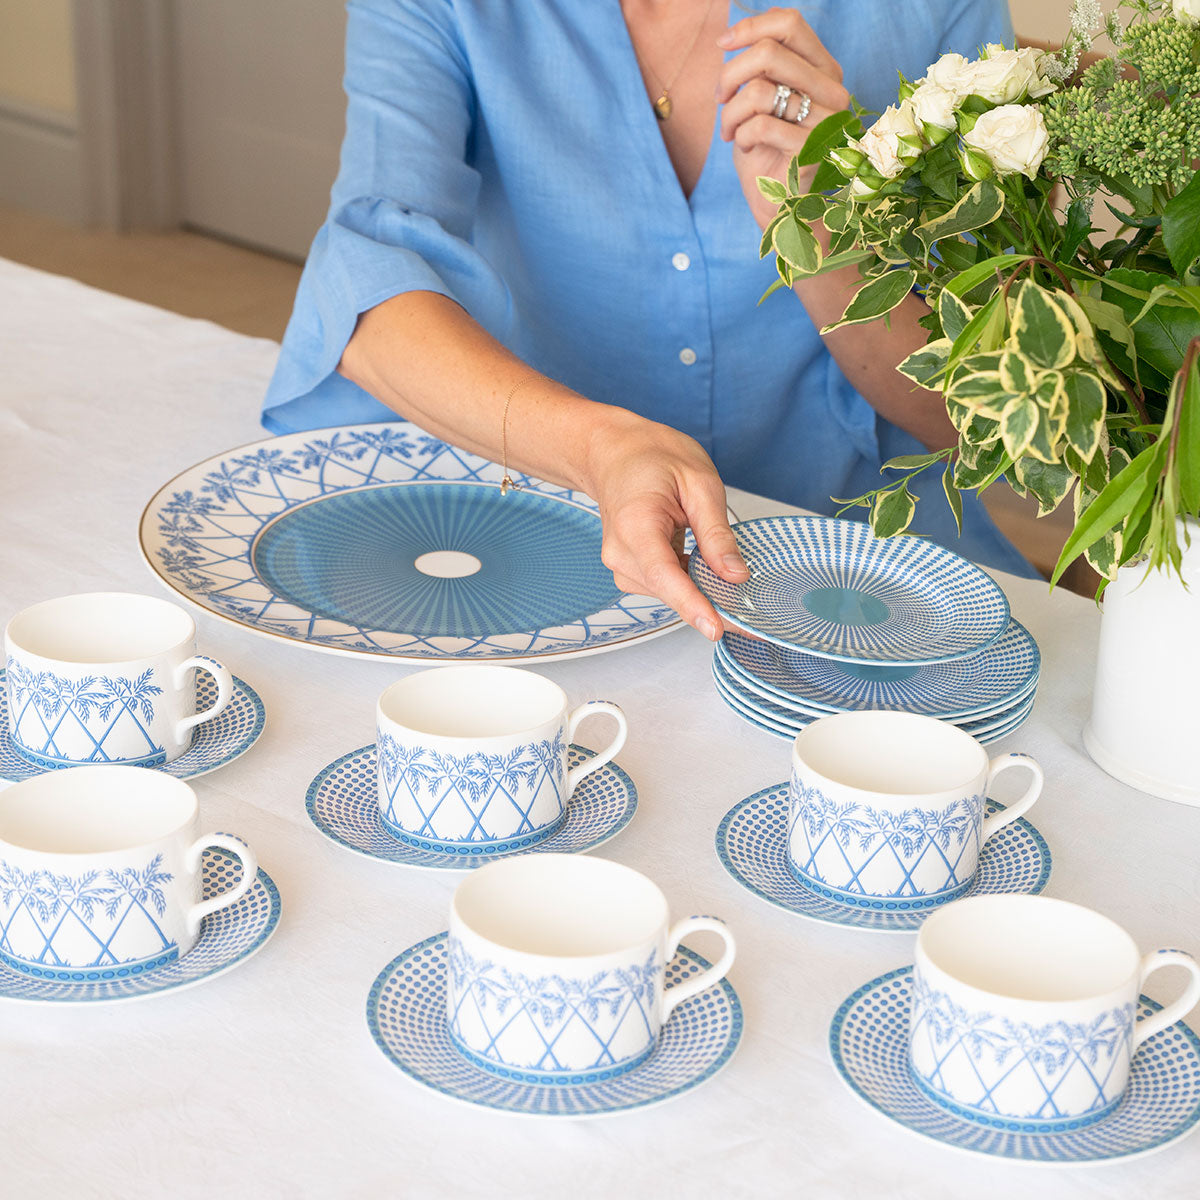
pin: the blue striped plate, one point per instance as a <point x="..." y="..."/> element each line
<point x="831" y="588"/>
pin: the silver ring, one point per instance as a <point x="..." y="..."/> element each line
<point x="804" y="109"/>
<point x="782" y="95"/>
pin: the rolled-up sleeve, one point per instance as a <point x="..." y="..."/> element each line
<point x="401" y="211"/>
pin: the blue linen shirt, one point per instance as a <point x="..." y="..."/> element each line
<point x="503" y="153"/>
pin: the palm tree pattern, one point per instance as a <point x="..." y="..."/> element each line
<point x="918" y="851"/>
<point x="460" y="798"/>
<point x="89" y="718"/>
<point x="524" y="1020"/>
<point x="1067" y="1067"/>
<point x="91" y="920"/>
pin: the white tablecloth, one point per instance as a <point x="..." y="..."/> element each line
<point x="265" y="1081"/>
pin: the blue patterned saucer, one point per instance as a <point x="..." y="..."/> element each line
<point x="227" y="736"/>
<point x="959" y="690"/>
<point x="831" y="588"/>
<point x="869" y="1043"/>
<point x="752" y="847"/>
<point x="406" y="1012"/>
<point x="378" y="539"/>
<point x="227" y="938"/>
<point x="342" y="804"/>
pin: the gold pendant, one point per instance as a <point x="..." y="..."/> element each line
<point x="662" y="107"/>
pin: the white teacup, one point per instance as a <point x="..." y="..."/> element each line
<point x="1025" y="1008"/>
<point x="100" y="873"/>
<point x="105" y="677"/>
<point x="556" y="967"/>
<point x="886" y="809"/>
<point x="475" y="757"/>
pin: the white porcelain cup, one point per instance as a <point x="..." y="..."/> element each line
<point x="100" y="874"/>
<point x="557" y="967"/>
<point x="475" y="757"/>
<point x="105" y="677"/>
<point x="1024" y="1011"/>
<point x="886" y="809"/>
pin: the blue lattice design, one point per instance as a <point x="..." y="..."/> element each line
<point x="752" y="846"/>
<point x="342" y="803"/>
<point x="244" y="535"/>
<point x="64" y="720"/>
<point x="1044" y="1075"/>
<point x="227" y="938"/>
<point x="406" y="1013"/>
<point x="851" y="851"/>
<point x="556" y="1028"/>
<point x="786" y="723"/>
<point x="214" y="743"/>
<point x="443" y="800"/>
<point x="963" y="689"/>
<point x="831" y="588"/>
<point x="868" y="1040"/>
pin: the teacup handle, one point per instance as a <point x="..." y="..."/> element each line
<point x="245" y="856"/>
<point x="1149" y="1026"/>
<point x="591" y="708"/>
<point x="674" y="996"/>
<point x="1017" y="808"/>
<point x="224" y="690"/>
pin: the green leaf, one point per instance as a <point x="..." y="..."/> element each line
<point x="1041" y="328"/>
<point x="912" y="462"/>
<point x="1161" y="337"/>
<point x="892" y="512"/>
<point x="1075" y="230"/>
<point x="1187" y="448"/>
<point x="980" y="206"/>
<point x="772" y="189"/>
<point x="879" y="296"/>
<point x="827" y="179"/>
<point x="797" y="245"/>
<point x="926" y="366"/>
<point x="1018" y="425"/>
<point x="1049" y="483"/>
<point x="766" y="244"/>
<point x="1181" y="226"/>
<point x="1086" y="402"/>
<point x="834" y="130"/>
<point x="990" y="463"/>
<point x="773" y="288"/>
<point x="808" y="208"/>
<point x="973" y="276"/>
<point x="983" y="321"/>
<point x="1110" y="508"/>
<point x="954" y="497"/>
<point x="1017" y="373"/>
<point x="953" y="314"/>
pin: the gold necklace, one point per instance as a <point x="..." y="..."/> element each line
<point x="662" y="105"/>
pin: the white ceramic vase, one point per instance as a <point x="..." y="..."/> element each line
<point x="1146" y="702"/>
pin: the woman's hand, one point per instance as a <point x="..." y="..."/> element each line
<point x="778" y="47"/>
<point x="653" y="482"/>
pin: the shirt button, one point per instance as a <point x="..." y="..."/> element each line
<point x="681" y="262"/>
<point x="687" y="356"/>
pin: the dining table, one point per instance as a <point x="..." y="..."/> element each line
<point x="265" y="1081"/>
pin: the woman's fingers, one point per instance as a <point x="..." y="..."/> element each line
<point x="789" y="28"/>
<point x="757" y="99"/>
<point x="775" y="63"/>
<point x="709" y="520"/>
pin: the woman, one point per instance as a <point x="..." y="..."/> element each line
<point x="539" y="249"/>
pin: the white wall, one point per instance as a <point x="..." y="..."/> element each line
<point x="1049" y="20"/>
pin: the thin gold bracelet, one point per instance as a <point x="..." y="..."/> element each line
<point x="506" y="483"/>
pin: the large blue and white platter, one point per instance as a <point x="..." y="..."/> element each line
<point x="406" y="1013"/>
<point x="752" y="846"/>
<point x="342" y="804"/>
<point x="379" y="540"/>
<point x="227" y="938"/>
<point x="830" y="587"/>
<point x="954" y="690"/>
<point x="215" y="743"/>
<point x="868" y="1040"/>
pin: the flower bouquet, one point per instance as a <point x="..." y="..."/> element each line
<point x="1070" y="365"/>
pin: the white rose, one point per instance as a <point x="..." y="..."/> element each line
<point x="951" y="72"/>
<point x="936" y="105"/>
<point x="893" y="141"/>
<point x="1012" y="137"/>
<point x="1003" y="76"/>
<point x="1186" y="10"/>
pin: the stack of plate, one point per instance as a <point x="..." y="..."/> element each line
<point x="844" y="621"/>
